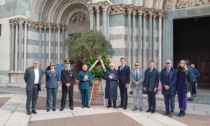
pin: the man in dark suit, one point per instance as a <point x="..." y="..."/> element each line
<point x="124" y="80"/>
<point x="32" y="78"/>
<point x="151" y="81"/>
<point x="168" y="78"/>
<point x="67" y="79"/>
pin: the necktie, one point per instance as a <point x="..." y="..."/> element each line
<point x="137" y="75"/>
<point x="121" y="67"/>
<point x="167" y="72"/>
<point x="150" y="73"/>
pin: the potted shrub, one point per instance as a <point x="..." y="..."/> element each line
<point x="84" y="47"/>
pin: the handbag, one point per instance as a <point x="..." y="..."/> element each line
<point x="188" y="94"/>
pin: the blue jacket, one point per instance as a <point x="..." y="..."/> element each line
<point x="124" y="75"/>
<point x="52" y="79"/>
<point x="191" y="72"/>
<point x="84" y="84"/>
<point x="169" y="80"/>
<point x="151" y="82"/>
<point x="197" y="74"/>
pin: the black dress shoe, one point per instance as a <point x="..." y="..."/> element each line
<point x="34" y="112"/>
<point x="61" y="109"/>
<point x="134" y="109"/>
<point x="28" y="113"/>
<point x="120" y="106"/>
<point x="71" y="107"/>
<point x="48" y="110"/>
<point x="166" y="113"/>
<point x="124" y="108"/>
<point x="171" y="114"/>
<point x="179" y="113"/>
<point x="109" y="106"/>
<point x="148" y="110"/>
<point x="54" y="110"/>
<point x="153" y="111"/>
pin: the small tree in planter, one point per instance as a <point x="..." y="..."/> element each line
<point x="83" y="46"/>
<point x="86" y="47"/>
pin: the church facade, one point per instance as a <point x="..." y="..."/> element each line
<point x="139" y="30"/>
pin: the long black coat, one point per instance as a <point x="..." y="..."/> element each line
<point x="111" y="84"/>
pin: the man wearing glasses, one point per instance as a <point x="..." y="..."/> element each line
<point x="32" y="78"/>
<point x="137" y="78"/>
<point x="168" y="78"/>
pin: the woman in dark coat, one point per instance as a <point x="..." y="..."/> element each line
<point x="182" y="86"/>
<point x="52" y="78"/>
<point x="111" y="77"/>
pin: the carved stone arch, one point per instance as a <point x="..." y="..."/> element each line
<point x="75" y="11"/>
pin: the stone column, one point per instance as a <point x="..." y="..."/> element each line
<point x="63" y="35"/>
<point x="54" y="47"/>
<point x="108" y="14"/>
<point x="153" y="40"/>
<point x="150" y="34"/>
<point x="90" y="8"/>
<point x="59" y="33"/>
<point x="12" y="46"/>
<point x="40" y="44"/>
<point x="20" y="44"/>
<point x="25" y="44"/>
<point x="129" y="36"/>
<point x="105" y="20"/>
<point x="98" y="18"/>
<point x="160" y="41"/>
<point x="133" y="45"/>
<point x="144" y="63"/>
<point x="49" y="39"/>
<point x="140" y="32"/>
<point x="45" y="46"/>
<point x="16" y="46"/>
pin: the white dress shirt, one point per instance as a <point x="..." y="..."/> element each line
<point x="36" y="74"/>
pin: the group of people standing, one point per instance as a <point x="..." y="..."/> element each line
<point x="178" y="81"/>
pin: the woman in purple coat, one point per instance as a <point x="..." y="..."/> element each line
<point x="182" y="86"/>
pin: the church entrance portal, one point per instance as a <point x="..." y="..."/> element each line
<point x="192" y="42"/>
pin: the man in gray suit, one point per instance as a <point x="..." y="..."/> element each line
<point x="32" y="78"/>
<point x="137" y="78"/>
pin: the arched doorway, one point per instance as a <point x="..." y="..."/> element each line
<point x="191" y="40"/>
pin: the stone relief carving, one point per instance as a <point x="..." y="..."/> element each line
<point x="178" y="4"/>
<point x="78" y="18"/>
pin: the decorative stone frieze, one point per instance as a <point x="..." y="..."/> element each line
<point x="34" y="24"/>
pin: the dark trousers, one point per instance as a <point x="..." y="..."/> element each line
<point x="193" y="87"/>
<point x="51" y="92"/>
<point x="123" y="95"/>
<point x="32" y="95"/>
<point x="169" y="100"/>
<point x="66" y="90"/>
<point x="151" y="100"/>
<point x="110" y="103"/>
<point x="85" y="96"/>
